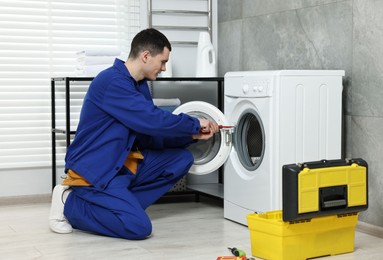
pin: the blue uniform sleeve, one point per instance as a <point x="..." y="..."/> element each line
<point x="132" y="106"/>
<point x="158" y="142"/>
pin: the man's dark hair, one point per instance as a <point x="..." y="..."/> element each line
<point x="151" y="40"/>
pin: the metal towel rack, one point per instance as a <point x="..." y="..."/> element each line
<point x="207" y="28"/>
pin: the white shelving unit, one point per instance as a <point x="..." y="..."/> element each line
<point x="181" y="25"/>
<point x="182" y="21"/>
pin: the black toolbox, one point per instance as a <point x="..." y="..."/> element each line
<point x="322" y="188"/>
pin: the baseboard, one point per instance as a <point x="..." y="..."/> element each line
<point x="27" y="199"/>
<point x="369" y="229"/>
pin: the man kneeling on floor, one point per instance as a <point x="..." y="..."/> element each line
<point x="127" y="152"/>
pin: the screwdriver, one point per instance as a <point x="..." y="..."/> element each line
<point x="237" y="252"/>
<point x="225" y="126"/>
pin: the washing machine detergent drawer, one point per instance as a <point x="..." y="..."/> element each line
<point x="326" y="187"/>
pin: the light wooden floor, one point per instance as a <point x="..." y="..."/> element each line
<point x="181" y="230"/>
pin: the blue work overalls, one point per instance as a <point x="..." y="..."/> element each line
<point x="117" y="114"/>
<point x="119" y="210"/>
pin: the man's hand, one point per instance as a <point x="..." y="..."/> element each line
<point x="208" y="129"/>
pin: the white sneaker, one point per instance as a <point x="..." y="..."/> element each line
<point x="57" y="221"/>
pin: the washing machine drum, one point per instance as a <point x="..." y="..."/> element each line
<point x="210" y="154"/>
<point x="249" y="140"/>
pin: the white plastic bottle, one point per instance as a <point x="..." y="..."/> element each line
<point x="206" y="60"/>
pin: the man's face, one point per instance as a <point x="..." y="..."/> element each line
<point x="156" y="64"/>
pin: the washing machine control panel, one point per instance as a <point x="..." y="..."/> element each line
<point x="250" y="86"/>
<point x="256" y="87"/>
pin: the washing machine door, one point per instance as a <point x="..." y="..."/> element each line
<point x="210" y="154"/>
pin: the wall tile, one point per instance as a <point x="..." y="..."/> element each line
<point x="367" y="140"/>
<point x="347" y="139"/>
<point x="230" y="45"/>
<point x="276" y="42"/>
<point x="229" y="10"/>
<point x="311" y="38"/>
<point x="367" y="84"/>
<point x="260" y="7"/>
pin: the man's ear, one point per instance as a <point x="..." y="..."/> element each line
<point x="145" y="55"/>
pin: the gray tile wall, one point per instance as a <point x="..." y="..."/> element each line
<point x="318" y="34"/>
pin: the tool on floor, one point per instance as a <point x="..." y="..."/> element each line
<point x="231" y="258"/>
<point x="237" y="252"/>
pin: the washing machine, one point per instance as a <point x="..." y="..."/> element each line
<point x="278" y="117"/>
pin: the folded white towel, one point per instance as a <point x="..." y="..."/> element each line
<point x="91" y="70"/>
<point x="95" y="60"/>
<point x="100" y="52"/>
<point x="166" y="101"/>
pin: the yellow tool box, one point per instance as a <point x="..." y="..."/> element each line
<point x="321" y="201"/>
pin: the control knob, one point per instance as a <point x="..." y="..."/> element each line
<point x="245" y="88"/>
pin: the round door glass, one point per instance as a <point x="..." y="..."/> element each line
<point x="211" y="154"/>
<point x="250" y="140"/>
<point x="205" y="150"/>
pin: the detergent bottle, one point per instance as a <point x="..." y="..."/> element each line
<point x="206" y="61"/>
